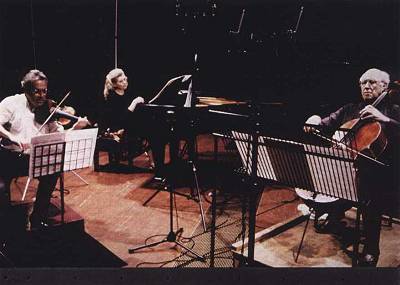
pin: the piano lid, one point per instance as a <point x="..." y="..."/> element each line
<point x="170" y="93"/>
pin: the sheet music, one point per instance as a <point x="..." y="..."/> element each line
<point x="265" y="169"/>
<point x="46" y="154"/>
<point x="326" y="170"/>
<point x="330" y="175"/>
<point x="79" y="148"/>
<point x="61" y="151"/>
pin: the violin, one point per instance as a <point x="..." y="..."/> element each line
<point x="65" y="120"/>
<point x="51" y="111"/>
<point x="64" y="115"/>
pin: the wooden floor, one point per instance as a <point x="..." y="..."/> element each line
<point x="111" y="205"/>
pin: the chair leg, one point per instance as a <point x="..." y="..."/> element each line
<point x="356" y="241"/>
<point x="149" y="160"/>
<point x="96" y="158"/>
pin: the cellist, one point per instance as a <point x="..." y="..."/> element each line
<point x="378" y="185"/>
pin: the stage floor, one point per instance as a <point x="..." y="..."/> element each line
<point x="277" y="247"/>
<point x="115" y="219"/>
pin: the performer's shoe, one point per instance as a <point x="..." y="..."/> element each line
<point x="330" y="227"/>
<point x="369" y="260"/>
<point x="159" y="174"/>
<point x="38" y="224"/>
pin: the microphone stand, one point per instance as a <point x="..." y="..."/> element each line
<point x="191" y="103"/>
<point x="167" y="185"/>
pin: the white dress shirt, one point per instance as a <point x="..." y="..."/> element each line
<point x="17" y="115"/>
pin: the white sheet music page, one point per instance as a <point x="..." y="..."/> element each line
<point x="79" y="148"/>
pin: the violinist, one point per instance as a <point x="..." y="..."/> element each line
<point x="20" y="120"/>
<point x="378" y="186"/>
<point x="115" y="113"/>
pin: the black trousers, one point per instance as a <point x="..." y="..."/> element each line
<point x="13" y="165"/>
<point x="379" y="191"/>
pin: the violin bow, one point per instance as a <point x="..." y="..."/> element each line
<point x="52" y="113"/>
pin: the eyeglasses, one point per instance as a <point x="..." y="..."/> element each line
<point x="39" y="91"/>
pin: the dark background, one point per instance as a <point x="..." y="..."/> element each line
<point x="315" y="70"/>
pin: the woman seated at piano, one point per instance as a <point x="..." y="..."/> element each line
<point x="115" y="112"/>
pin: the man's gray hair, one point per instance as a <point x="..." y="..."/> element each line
<point x="32" y="76"/>
<point x="376" y="74"/>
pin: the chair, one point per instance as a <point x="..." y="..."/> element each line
<point x="122" y="150"/>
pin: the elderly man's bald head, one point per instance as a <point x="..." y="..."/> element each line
<point x="376" y="74"/>
<point x="373" y="82"/>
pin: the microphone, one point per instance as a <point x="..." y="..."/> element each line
<point x="62" y="114"/>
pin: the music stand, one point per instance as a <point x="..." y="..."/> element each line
<point x="56" y="153"/>
<point x="328" y="170"/>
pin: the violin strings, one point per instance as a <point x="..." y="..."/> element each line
<point x="53" y="112"/>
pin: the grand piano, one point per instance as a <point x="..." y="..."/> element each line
<point x="170" y="111"/>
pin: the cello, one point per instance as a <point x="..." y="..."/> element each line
<point x="363" y="136"/>
<point x="366" y="135"/>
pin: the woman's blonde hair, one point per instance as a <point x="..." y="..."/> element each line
<point x="111" y="78"/>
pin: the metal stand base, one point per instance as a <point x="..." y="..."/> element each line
<point x="3" y="257"/>
<point x="28" y="181"/>
<point x="171" y="236"/>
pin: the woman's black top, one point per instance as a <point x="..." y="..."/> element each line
<point x="114" y="113"/>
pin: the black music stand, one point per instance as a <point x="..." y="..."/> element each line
<point x="59" y="152"/>
<point x="328" y="170"/>
<point x="171" y="236"/>
<point x="47" y="158"/>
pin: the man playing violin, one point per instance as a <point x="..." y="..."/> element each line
<point x="377" y="185"/>
<point x="18" y="124"/>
